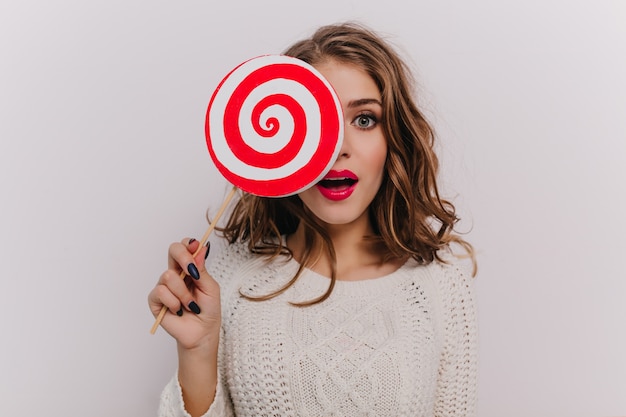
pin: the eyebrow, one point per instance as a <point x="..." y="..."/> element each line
<point x="364" y="102"/>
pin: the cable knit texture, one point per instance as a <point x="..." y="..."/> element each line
<point x="400" y="345"/>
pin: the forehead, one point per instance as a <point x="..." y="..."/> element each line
<point x="350" y="81"/>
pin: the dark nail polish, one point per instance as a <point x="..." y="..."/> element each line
<point x="194" y="307"/>
<point x="179" y="312"/>
<point x="191" y="241"/>
<point x="193" y="271"/>
<point x="208" y="249"/>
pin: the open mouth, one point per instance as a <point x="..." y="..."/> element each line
<point x="337" y="183"/>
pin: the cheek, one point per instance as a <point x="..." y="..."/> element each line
<point x="307" y="196"/>
<point x="378" y="157"/>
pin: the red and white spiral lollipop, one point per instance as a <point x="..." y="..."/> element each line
<point x="274" y="126"/>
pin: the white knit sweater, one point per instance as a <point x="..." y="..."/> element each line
<point x="401" y="345"/>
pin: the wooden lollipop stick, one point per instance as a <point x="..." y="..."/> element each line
<point x="229" y="197"/>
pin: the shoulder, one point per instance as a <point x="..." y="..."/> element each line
<point x="447" y="281"/>
<point x="228" y="265"/>
<point x="453" y="285"/>
<point x="236" y="264"/>
<point x="452" y="271"/>
<point x="448" y="270"/>
<point x="457" y="297"/>
<point x="229" y="256"/>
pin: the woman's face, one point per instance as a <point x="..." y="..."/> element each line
<point x="345" y="193"/>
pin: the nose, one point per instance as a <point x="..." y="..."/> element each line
<point x="346" y="145"/>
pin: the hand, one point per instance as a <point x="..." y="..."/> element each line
<point x="194" y="311"/>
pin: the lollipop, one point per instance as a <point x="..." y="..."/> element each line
<point x="274" y="127"/>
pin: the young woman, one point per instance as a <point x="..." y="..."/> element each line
<point x="344" y="300"/>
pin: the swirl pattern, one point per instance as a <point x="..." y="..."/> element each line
<point x="274" y="126"/>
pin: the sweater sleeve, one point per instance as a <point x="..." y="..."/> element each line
<point x="222" y="269"/>
<point x="457" y="381"/>
<point x="172" y="404"/>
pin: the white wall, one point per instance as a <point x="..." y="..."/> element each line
<point x="103" y="163"/>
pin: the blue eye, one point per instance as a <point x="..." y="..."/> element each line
<point x="364" y="121"/>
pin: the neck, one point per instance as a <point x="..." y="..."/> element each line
<point x="357" y="257"/>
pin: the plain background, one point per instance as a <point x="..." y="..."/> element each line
<point x="103" y="164"/>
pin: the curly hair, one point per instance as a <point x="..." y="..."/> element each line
<point x="408" y="216"/>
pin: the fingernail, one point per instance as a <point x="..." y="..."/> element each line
<point x="191" y="241"/>
<point x="208" y="249"/>
<point x="193" y="271"/>
<point x="179" y="312"/>
<point x="194" y="307"/>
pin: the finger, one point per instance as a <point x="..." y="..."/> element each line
<point x="178" y="287"/>
<point x="161" y="296"/>
<point x="192" y="245"/>
<point x="181" y="257"/>
<point x="206" y="283"/>
<point x="201" y="256"/>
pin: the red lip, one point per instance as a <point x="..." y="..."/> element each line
<point x="344" y="173"/>
<point x="338" y="185"/>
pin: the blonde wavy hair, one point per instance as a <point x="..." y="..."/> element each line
<point x="409" y="218"/>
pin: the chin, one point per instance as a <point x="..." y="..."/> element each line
<point x="337" y="217"/>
